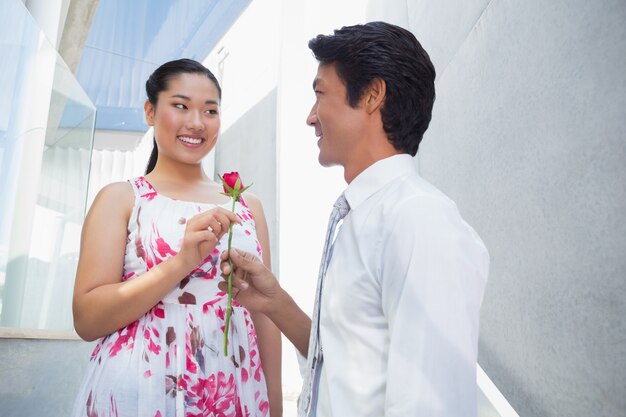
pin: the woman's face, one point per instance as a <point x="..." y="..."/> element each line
<point x="186" y="118"/>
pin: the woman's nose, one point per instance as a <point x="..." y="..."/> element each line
<point x="194" y="121"/>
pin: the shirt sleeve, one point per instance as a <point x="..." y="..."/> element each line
<point x="433" y="272"/>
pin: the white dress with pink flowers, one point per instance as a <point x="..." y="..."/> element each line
<point x="171" y="362"/>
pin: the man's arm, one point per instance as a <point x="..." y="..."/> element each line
<point x="257" y="288"/>
<point x="433" y="274"/>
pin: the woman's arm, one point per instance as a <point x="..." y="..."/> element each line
<point x="268" y="335"/>
<point x="103" y="303"/>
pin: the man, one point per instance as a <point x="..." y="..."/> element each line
<point x="395" y="329"/>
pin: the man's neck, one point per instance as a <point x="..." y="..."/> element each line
<point x="366" y="160"/>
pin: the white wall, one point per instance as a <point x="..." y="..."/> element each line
<point x="528" y="137"/>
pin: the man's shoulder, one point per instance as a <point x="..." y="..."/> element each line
<point x="413" y="194"/>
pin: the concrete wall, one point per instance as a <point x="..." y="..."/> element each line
<point x="41" y="377"/>
<point x="528" y="137"/>
<point x="249" y="147"/>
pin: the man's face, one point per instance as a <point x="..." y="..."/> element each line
<point x="337" y="125"/>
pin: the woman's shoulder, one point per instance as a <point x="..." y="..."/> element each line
<point x="254" y="206"/>
<point x="252" y="202"/>
<point x="114" y="197"/>
<point x="120" y="189"/>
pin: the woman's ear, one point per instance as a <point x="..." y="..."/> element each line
<point x="148" y="109"/>
<point x="375" y="95"/>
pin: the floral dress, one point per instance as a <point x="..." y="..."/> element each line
<point x="171" y="361"/>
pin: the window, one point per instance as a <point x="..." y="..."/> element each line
<point x="46" y="135"/>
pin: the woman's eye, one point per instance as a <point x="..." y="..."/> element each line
<point x="212" y="111"/>
<point x="180" y="106"/>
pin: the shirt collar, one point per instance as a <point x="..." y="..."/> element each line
<point x="376" y="176"/>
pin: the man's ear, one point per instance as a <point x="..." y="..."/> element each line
<point x="375" y="95"/>
<point x="148" y="109"/>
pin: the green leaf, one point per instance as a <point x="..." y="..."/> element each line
<point x="228" y="188"/>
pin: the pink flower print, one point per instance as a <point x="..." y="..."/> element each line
<point x="211" y="274"/>
<point x="141" y="182"/>
<point x="147" y="374"/>
<point x="159" y="312"/>
<point x="89" y="406"/>
<point x="191" y="365"/>
<point x="182" y="384"/>
<point x="113" y="406"/>
<point x="128" y="275"/>
<point x="96" y="351"/>
<point x="257" y="373"/>
<point x="218" y="395"/>
<point x="248" y="233"/>
<point x="198" y="273"/>
<point x="163" y="248"/>
<point x="139" y="248"/>
<point x="196" y="343"/>
<point x="152" y="347"/>
<point x="219" y="312"/>
<point x="125" y="338"/>
<point x="205" y="306"/>
<point x="264" y="407"/>
<point x="170" y="386"/>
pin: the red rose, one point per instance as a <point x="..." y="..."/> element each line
<point x="233" y="187"/>
<point x="230" y="179"/>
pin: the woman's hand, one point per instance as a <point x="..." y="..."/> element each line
<point x="202" y="234"/>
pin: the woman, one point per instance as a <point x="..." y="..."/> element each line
<point x="146" y="280"/>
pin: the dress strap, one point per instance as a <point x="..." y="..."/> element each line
<point x="142" y="188"/>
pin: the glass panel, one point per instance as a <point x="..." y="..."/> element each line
<point x="46" y="136"/>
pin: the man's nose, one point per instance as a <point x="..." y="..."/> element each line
<point x="311" y="119"/>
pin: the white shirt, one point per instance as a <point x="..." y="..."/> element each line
<point x="400" y="304"/>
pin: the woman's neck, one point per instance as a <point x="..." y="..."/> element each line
<point x="177" y="172"/>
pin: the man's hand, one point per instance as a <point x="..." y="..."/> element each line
<point x="254" y="285"/>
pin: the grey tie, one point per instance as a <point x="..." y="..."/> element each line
<point x="308" y="397"/>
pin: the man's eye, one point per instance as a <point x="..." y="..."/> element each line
<point x="212" y="111"/>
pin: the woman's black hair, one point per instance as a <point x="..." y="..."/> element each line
<point x="159" y="81"/>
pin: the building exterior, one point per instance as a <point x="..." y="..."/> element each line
<point x="527" y="136"/>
